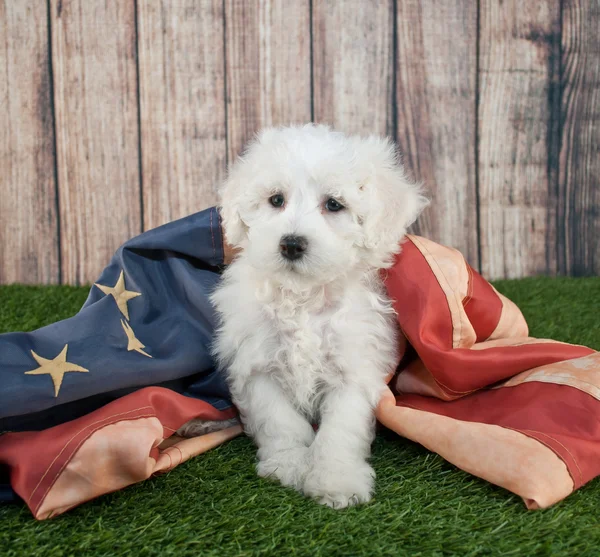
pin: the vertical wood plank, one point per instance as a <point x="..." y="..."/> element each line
<point x="268" y="67"/>
<point x="436" y="99"/>
<point x="93" y="51"/>
<point x="519" y="72"/>
<point x="182" y="104"/>
<point x="579" y="177"/>
<point x="29" y="250"/>
<point x="353" y="65"/>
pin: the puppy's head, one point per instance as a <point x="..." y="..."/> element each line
<point x="307" y="204"/>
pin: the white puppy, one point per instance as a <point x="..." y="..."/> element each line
<point x="307" y="334"/>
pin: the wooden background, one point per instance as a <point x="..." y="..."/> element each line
<point x="118" y="116"/>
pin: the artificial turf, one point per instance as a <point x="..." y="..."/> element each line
<point x="215" y="504"/>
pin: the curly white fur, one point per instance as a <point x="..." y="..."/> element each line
<point x="312" y="341"/>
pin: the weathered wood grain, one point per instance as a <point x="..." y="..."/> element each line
<point x="519" y="72"/>
<point x="93" y="58"/>
<point x="353" y="65"/>
<point x="436" y="98"/>
<point x="525" y="127"/>
<point x="267" y="67"/>
<point x="579" y="175"/>
<point x="28" y="216"/>
<point x="182" y="106"/>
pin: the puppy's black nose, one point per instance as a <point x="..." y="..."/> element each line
<point x="293" y="247"/>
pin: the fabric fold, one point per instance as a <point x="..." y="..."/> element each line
<point x="520" y="412"/>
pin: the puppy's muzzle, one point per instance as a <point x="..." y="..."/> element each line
<point x="293" y="247"/>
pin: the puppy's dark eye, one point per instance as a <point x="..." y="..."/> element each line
<point x="277" y="200"/>
<point x="333" y="205"/>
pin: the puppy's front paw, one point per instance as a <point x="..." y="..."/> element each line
<point x="288" y="466"/>
<point x="340" y="486"/>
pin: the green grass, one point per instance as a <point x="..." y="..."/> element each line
<point x="215" y="504"/>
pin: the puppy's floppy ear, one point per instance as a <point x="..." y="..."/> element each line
<point x="234" y="194"/>
<point x="231" y="194"/>
<point x="393" y="201"/>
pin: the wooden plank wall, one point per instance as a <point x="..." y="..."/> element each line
<point x="435" y="95"/>
<point x="518" y="75"/>
<point x="267" y="55"/>
<point x="29" y="235"/>
<point x="95" y="100"/>
<point x="353" y="65"/>
<point x="116" y="117"/>
<point x="182" y="86"/>
<point x="579" y="164"/>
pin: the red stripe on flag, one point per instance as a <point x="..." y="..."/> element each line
<point x="36" y="458"/>
<point x="424" y="317"/>
<point x="558" y="416"/>
<point x="483" y="306"/>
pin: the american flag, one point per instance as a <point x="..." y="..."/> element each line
<point x="91" y="404"/>
<point x="128" y="370"/>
